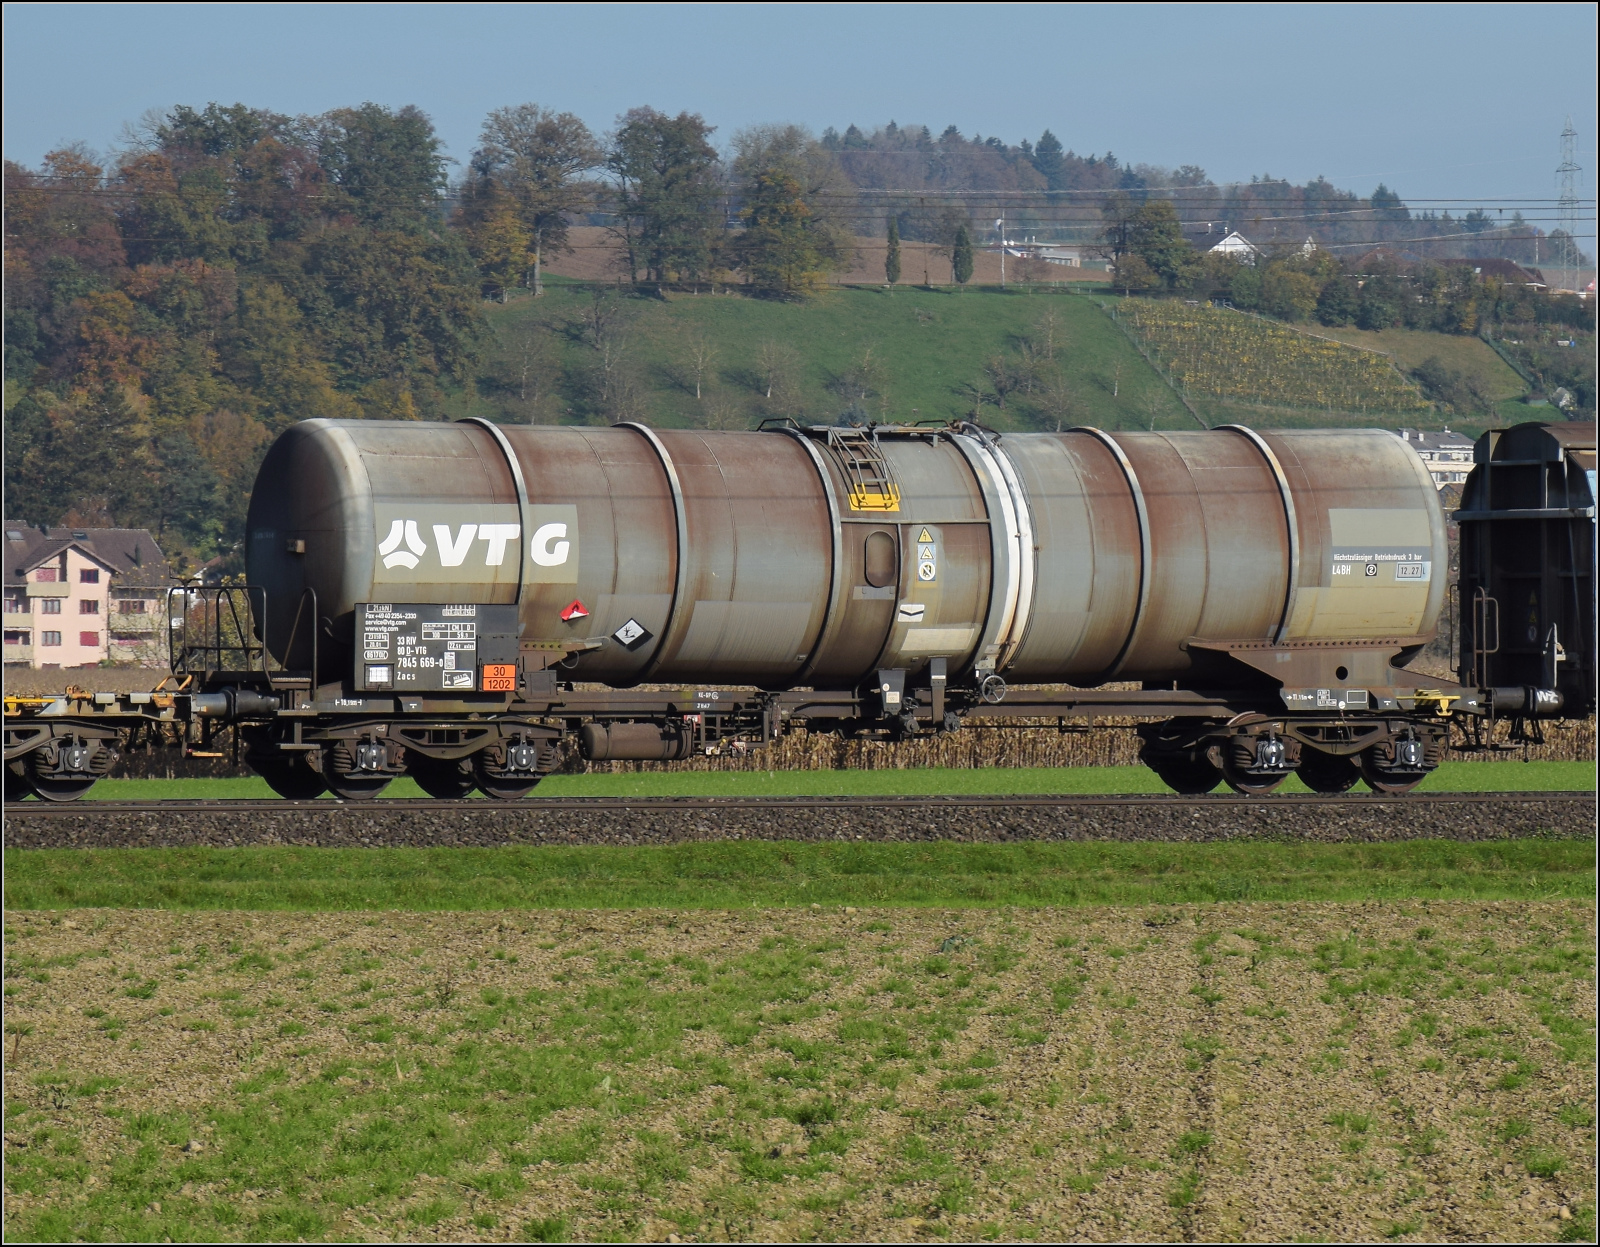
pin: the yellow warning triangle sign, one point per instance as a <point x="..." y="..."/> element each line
<point x="924" y="535"/>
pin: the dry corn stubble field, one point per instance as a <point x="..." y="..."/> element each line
<point x="1416" y="1071"/>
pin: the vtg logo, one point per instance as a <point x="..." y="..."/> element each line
<point x="547" y="549"/>
<point x="428" y="542"/>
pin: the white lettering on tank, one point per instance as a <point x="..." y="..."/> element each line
<point x="497" y="535"/>
<point x="454" y="553"/>
<point x="545" y="554"/>
<point x="393" y="556"/>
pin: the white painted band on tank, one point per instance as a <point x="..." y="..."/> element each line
<point x="515" y="465"/>
<point x="1143" y="514"/>
<point x="833" y="616"/>
<point x="1289" y="518"/>
<point x="1007" y="545"/>
<point x="680" y="573"/>
<point x="1027" y="563"/>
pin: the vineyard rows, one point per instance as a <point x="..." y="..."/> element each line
<point x="1224" y="354"/>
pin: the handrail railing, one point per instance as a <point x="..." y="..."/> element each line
<point x="213" y="629"/>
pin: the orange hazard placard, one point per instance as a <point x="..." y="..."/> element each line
<point x="499" y="677"/>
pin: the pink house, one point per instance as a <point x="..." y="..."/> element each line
<point x="79" y="597"/>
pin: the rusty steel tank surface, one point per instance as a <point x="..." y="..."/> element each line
<point x="814" y="557"/>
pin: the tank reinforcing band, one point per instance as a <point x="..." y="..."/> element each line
<point x="1289" y="518"/>
<point x="1028" y="562"/>
<point x="1008" y="607"/>
<point x="515" y="465"/>
<point x="1143" y="514"/>
<point x="833" y="616"/>
<point x="669" y="630"/>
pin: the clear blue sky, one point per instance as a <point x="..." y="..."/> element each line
<point x="1443" y="101"/>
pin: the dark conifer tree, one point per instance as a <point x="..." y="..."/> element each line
<point x="961" y="256"/>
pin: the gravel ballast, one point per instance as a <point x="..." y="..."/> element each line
<point x="418" y="824"/>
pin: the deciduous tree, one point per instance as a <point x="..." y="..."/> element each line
<point x="1156" y="237"/>
<point x="665" y="183"/>
<point x="793" y="198"/>
<point x="533" y="158"/>
<point x="1134" y="275"/>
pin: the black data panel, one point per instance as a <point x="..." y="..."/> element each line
<point x="433" y="647"/>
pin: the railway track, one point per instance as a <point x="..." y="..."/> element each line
<point x="1128" y="801"/>
<point x="422" y="823"/>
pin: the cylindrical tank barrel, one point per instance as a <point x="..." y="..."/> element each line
<point x="815" y="557"/>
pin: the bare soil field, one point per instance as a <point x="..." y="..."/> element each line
<point x="596" y="255"/>
<point x="1418" y="1071"/>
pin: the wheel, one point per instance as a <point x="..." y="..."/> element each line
<point x="357" y="787"/>
<point x="1328" y="772"/>
<point x="56" y="787"/>
<point x="60" y="789"/>
<point x="1189" y="778"/>
<point x="1391" y="782"/>
<point x="502" y="787"/>
<point x="1248" y="784"/>
<point x="293" y="781"/>
<point x="508" y="789"/>
<point x="16" y="783"/>
<point x="347" y="779"/>
<point x="446" y="780"/>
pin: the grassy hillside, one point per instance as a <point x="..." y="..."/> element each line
<point x="1470" y="356"/>
<point x="1054" y="358"/>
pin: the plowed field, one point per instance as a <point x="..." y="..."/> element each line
<point x="1415" y="1071"/>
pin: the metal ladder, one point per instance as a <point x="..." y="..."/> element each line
<point x="869" y="480"/>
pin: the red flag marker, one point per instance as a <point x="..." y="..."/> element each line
<point x="575" y="611"/>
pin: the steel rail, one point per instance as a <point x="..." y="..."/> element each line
<point x="1352" y="801"/>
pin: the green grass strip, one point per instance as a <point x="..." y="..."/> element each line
<point x="995" y="781"/>
<point x="738" y="875"/>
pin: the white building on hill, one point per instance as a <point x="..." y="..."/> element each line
<point x="1238" y="247"/>
<point x="1447" y="455"/>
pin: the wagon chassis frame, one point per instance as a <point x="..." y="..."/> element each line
<point x="1185" y="731"/>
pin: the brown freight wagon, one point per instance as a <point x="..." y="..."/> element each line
<point x="424" y="598"/>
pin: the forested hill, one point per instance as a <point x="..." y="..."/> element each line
<point x="166" y="317"/>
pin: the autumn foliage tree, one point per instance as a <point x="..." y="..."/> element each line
<point x="520" y="188"/>
<point x="233" y="272"/>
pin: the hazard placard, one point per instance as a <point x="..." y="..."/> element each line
<point x="499" y="677"/>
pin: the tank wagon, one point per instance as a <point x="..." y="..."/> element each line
<point x="444" y="599"/>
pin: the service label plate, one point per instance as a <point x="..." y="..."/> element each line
<point x="435" y="647"/>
